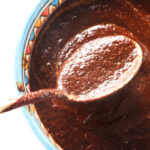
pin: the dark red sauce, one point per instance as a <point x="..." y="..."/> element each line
<point x="99" y="67"/>
<point x="120" y="121"/>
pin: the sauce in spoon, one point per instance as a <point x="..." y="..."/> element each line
<point x="99" y="68"/>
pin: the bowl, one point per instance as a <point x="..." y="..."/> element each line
<point x="44" y="9"/>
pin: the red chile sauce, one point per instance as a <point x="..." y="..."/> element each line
<point x="118" y="122"/>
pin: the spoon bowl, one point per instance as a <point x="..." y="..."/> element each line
<point x="99" y="68"/>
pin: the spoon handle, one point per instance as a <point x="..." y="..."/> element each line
<point x="33" y="98"/>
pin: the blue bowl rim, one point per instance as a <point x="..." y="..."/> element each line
<point x="19" y="73"/>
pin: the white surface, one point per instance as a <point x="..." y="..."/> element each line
<point x="15" y="133"/>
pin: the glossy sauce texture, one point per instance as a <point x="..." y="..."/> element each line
<point x="120" y="121"/>
<point x="99" y="68"/>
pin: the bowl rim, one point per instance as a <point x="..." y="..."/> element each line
<point x="20" y="71"/>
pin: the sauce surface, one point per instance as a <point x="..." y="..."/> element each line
<point x="99" y="68"/>
<point x="120" y="121"/>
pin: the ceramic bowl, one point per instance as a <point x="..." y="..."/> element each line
<point x="44" y="9"/>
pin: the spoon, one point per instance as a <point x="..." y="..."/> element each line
<point x="95" y="70"/>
